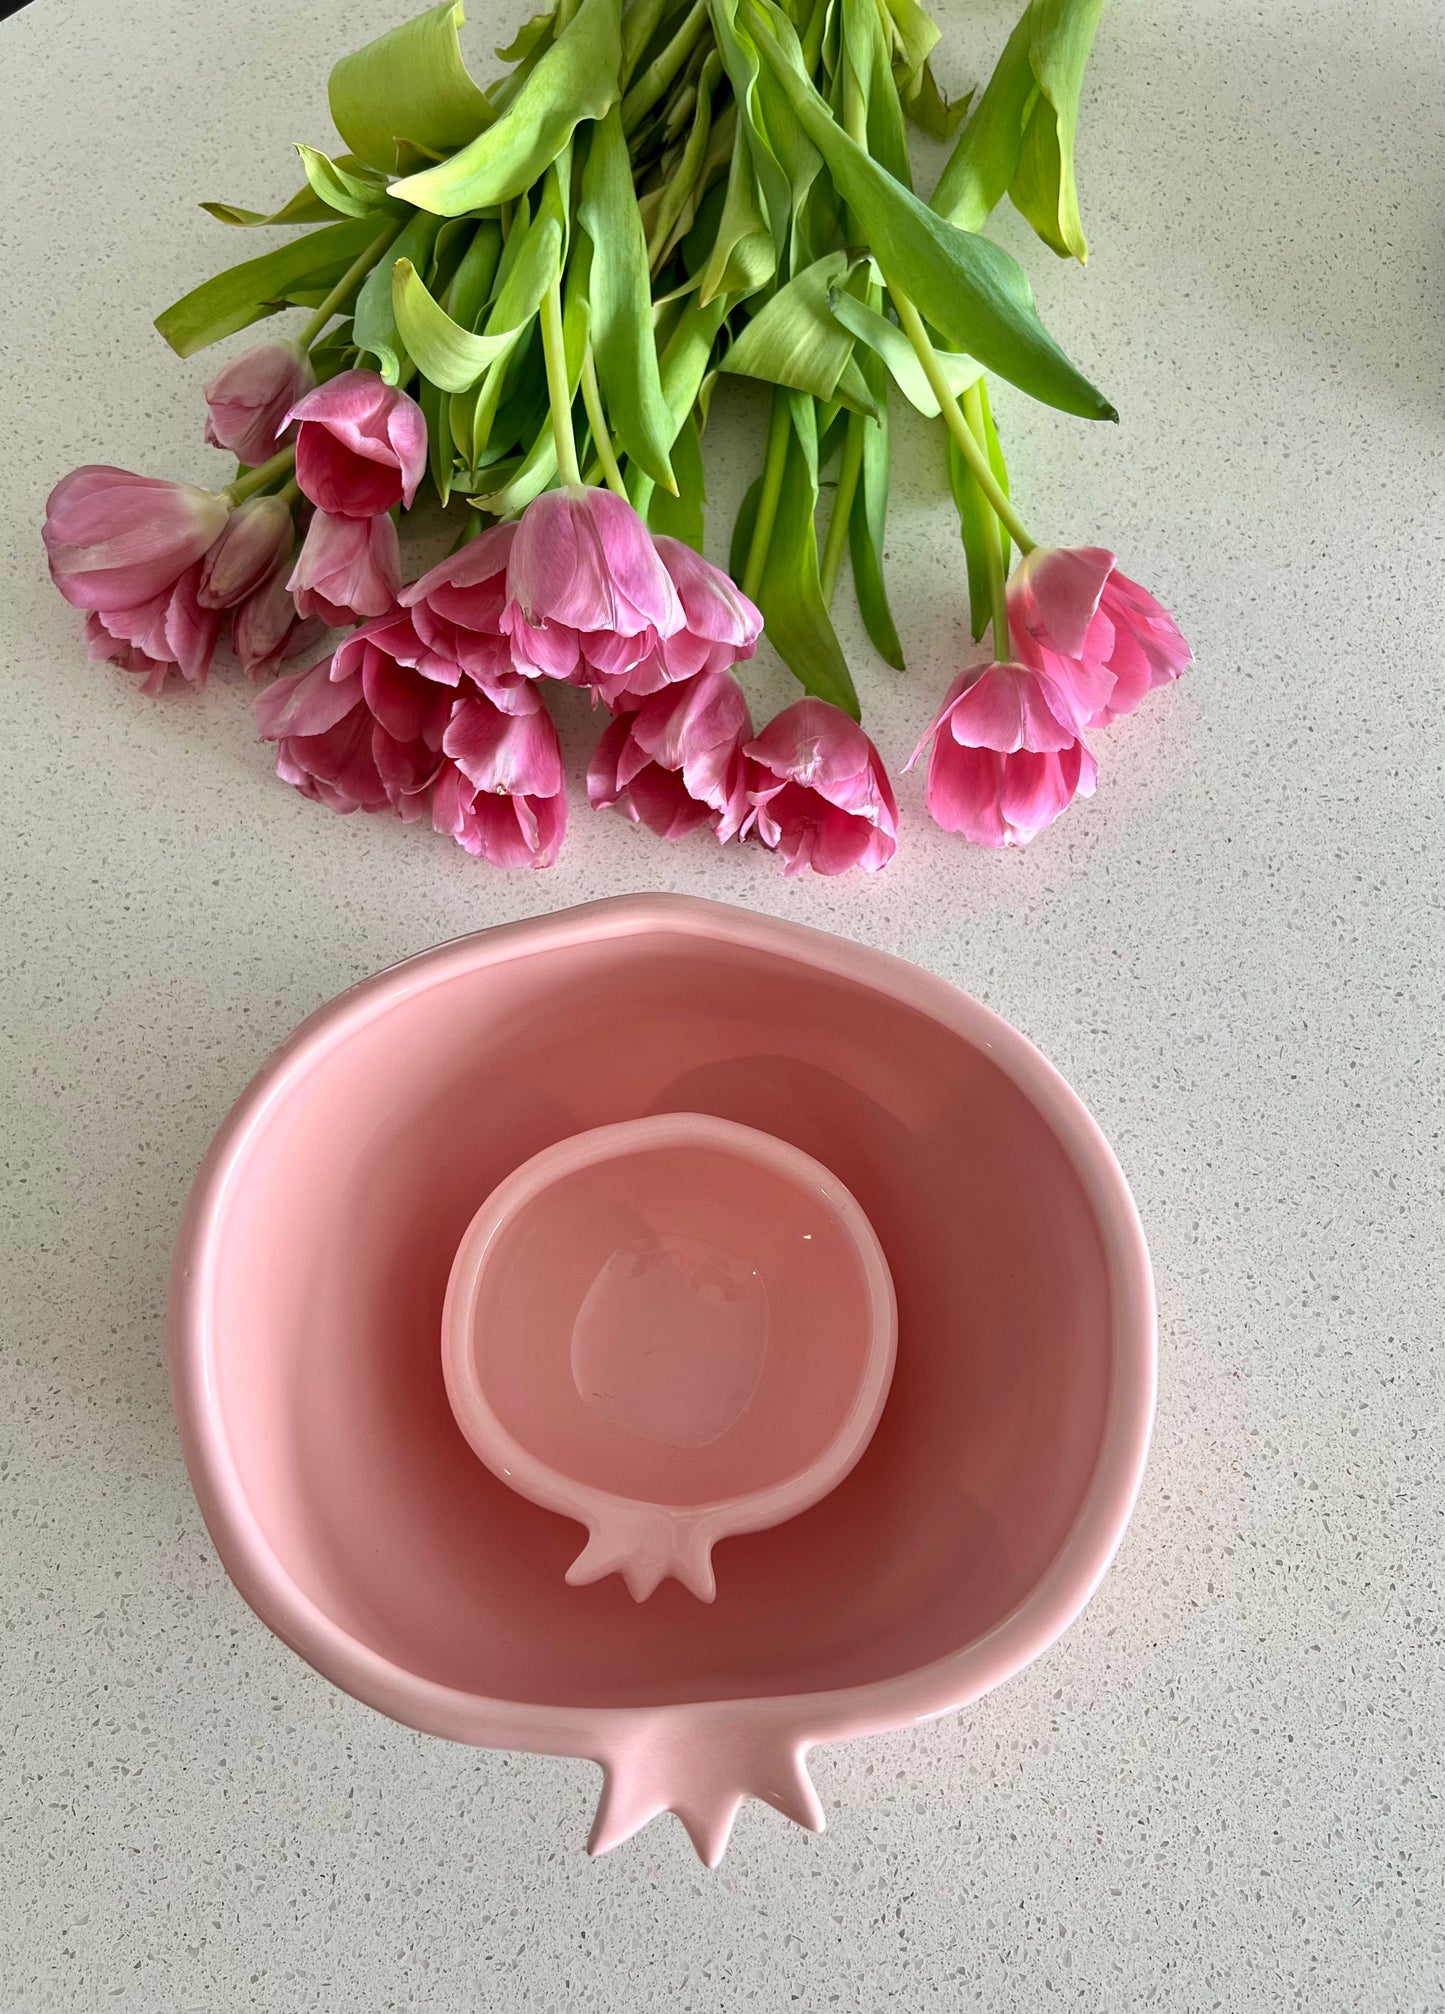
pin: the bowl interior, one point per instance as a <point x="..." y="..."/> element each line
<point x="329" y="1265"/>
<point x="676" y="1320"/>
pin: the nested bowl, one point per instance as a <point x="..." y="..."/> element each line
<point x="305" y="1339"/>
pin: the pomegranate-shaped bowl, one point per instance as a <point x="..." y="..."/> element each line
<point x="671" y="1329"/>
<point x="352" y="1510"/>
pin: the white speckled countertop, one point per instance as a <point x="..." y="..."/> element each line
<point x="1222" y="1789"/>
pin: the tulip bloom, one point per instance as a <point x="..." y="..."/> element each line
<point x="363" y="730"/>
<point x="174" y="630"/>
<point x="257" y="536"/>
<point x="501" y="793"/>
<point x="348" y="569"/>
<point x="677" y="763"/>
<point x="720" y="627"/>
<point x="117" y="541"/>
<point x="249" y="401"/>
<point x="360" y="447"/>
<point x="265" y="630"/>
<point x="456" y="611"/>
<point x="1072" y="602"/>
<point x="587" y="592"/>
<point x="1006" y="756"/>
<point x="820" y="793"/>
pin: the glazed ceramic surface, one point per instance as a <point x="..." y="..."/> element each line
<point x="670" y="1329"/>
<point x="307" y="1302"/>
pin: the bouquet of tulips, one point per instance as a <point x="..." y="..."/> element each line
<point x="522" y="302"/>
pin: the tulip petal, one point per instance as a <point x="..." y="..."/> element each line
<point x="1055" y="591"/>
<point x="304" y="702"/>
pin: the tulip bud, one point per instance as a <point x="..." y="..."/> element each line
<point x="247" y="403"/>
<point x="257" y="535"/>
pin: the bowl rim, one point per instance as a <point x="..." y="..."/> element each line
<point x="599" y="1732"/>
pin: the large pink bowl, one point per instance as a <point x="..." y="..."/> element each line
<point x="306" y="1364"/>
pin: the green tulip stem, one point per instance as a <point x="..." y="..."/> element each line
<point x="355" y="271"/>
<point x="775" y="462"/>
<point x="848" y="474"/>
<point x="640" y="491"/>
<point x="997" y="587"/>
<point x="559" y="396"/>
<point x="973" y="451"/>
<point x="261" y="476"/>
<point x="597" y="420"/>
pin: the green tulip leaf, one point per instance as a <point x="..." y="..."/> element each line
<point x="867" y="53"/>
<point x="350" y="194"/>
<point x="305" y="207"/>
<point x="529" y="38"/>
<point x="915" y="37"/>
<point x="440" y="459"/>
<point x="620" y="292"/>
<point x="681" y="516"/>
<point x="977" y="524"/>
<point x="868" y="520"/>
<point x="888" y="341"/>
<point x="539" y="467"/>
<point x="966" y="287"/>
<point x="790" y="594"/>
<point x="742" y="258"/>
<point x="408" y="89"/>
<point x="576" y="79"/>
<point x="443" y="349"/>
<point x="795" y="339"/>
<point x="743" y="65"/>
<point x="1019" y="138"/>
<point x="978" y="527"/>
<point x="525" y="480"/>
<point x="376" y="327"/>
<point x="685" y="357"/>
<point x="232" y="300"/>
<point x="930" y="111"/>
<point x="743" y="525"/>
<point x="470" y="287"/>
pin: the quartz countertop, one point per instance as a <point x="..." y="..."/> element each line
<point x="1221" y="1789"/>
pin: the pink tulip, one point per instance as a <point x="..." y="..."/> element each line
<point x="362" y="730"/>
<point x="105" y="648"/>
<point x="720" y="627"/>
<point x="258" y="534"/>
<point x="677" y="763"/>
<point x="266" y="631"/>
<point x="249" y="400"/>
<point x="587" y="592"/>
<point x="456" y="611"/>
<point x="117" y="541"/>
<point x="361" y="446"/>
<point x="820" y="793"/>
<point x="324" y="735"/>
<point x="348" y="568"/>
<point x="501" y="794"/>
<point x="1072" y="602"/>
<point x="1006" y="756"/>
<point x="172" y="630"/>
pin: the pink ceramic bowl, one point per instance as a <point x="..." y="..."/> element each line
<point x="305" y="1324"/>
<point x="672" y="1329"/>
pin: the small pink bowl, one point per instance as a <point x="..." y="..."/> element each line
<point x="673" y="1330"/>
<point x="306" y="1309"/>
